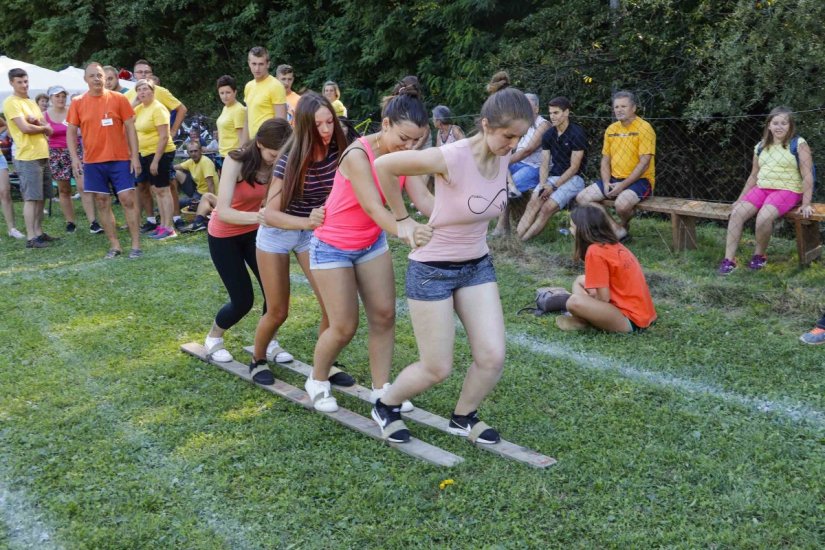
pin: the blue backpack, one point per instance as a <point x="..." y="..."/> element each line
<point x="794" y="147"/>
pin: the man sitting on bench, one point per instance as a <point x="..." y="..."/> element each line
<point x="627" y="168"/>
<point x="197" y="178"/>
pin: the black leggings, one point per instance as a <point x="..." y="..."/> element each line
<point x="231" y="255"/>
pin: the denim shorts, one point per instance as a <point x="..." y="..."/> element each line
<point x="275" y="240"/>
<point x="4" y="164"/>
<point x="433" y="281"/>
<point x="567" y="192"/>
<point x="325" y="256"/>
<point x="641" y="187"/>
<point x="525" y="176"/>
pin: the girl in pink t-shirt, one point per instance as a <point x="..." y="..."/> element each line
<point x="349" y="255"/>
<point x="453" y="273"/>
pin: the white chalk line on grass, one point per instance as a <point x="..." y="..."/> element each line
<point x="798" y="412"/>
<point x="26" y="529"/>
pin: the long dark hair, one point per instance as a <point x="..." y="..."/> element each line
<point x="591" y="227"/>
<point x="405" y="103"/>
<point x="306" y="143"/>
<point x="272" y="134"/>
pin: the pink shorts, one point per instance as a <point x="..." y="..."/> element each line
<point x="781" y="199"/>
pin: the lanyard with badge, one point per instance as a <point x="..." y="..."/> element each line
<point x="107" y="119"/>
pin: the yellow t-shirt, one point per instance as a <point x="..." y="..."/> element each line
<point x="261" y="98"/>
<point x="162" y="95"/>
<point x="147" y="119"/>
<point x="340" y="110"/>
<point x="778" y="168"/>
<point x="231" y="120"/>
<point x="291" y="104"/>
<point x="203" y="169"/>
<point x="27" y="146"/>
<point x="624" y="145"/>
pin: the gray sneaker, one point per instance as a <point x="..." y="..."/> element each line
<point x="814" y="337"/>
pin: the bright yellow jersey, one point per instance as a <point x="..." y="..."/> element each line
<point x="232" y="119"/>
<point x="261" y="99"/>
<point x="201" y="170"/>
<point x="625" y="144"/>
<point x="27" y="146"/>
<point x="340" y="110"/>
<point x="162" y="95"/>
<point x="778" y="167"/>
<point x="147" y="120"/>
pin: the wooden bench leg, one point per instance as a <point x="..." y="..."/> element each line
<point x="808" y="241"/>
<point x="684" y="232"/>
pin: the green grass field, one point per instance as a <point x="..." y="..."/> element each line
<point x="708" y="431"/>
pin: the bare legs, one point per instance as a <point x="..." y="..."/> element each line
<point x="64" y="190"/>
<point x="5" y="200"/>
<point x="375" y="282"/>
<point x="585" y="307"/>
<point x="479" y="308"/>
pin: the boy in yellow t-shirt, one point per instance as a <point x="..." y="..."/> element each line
<point x="265" y="96"/>
<point x="628" y="171"/>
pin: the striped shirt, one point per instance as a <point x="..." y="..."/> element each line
<point x="317" y="184"/>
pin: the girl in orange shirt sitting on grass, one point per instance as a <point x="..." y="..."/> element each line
<point x="612" y="295"/>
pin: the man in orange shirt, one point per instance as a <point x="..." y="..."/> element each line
<point x="286" y="75"/>
<point x="110" y="154"/>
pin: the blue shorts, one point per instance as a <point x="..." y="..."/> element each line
<point x="325" y="256"/>
<point x="434" y="281"/>
<point x="641" y="187"/>
<point x="4" y="164"/>
<point x="99" y="174"/>
<point x="274" y="240"/>
<point x="525" y="177"/>
<point x="567" y="192"/>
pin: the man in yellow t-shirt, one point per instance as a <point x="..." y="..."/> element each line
<point x="265" y="96"/>
<point x="286" y="76"/>
<point x="196" y="175"/>
<point x="628" y="170"/>
<point x="177" y="110"/>
<point x="30" y="133"/>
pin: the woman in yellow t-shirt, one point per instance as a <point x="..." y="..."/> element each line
<point x="233" y="116"/>
<point x="157" y="152"/>
<point x="781" y="176"/>
<point x="333" y="94"/>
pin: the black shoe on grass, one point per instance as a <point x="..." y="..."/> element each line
<point x="471" y="427"/>
<point x="260" y="372"/>
<point x="389" y="420"/>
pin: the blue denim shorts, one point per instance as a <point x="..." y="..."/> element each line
<point x="325" y="256"/>
<point x="275" y="240"/>
<point x="434" y="281"/>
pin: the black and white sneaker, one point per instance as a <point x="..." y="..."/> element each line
<point x="389" y="420"/>
<point x="94" y="228"/>
<point x="148" y="227"/>
<point x="471" y="427"/>
<point x="260" y="372"/>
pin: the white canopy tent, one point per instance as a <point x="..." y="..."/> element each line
<point x="40" y="79"/>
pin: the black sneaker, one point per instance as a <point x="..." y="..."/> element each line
<point x="389" y="420"/>
<point x="148" y="227"/>
<point x="466" y="426"/>
<point x="36" y="243"/>
<point x="198" y="225"/>
<point x="45" y="237"/>
<point x="70" y="227"/>
<point x="260" y="372"/>
<point x="94" y="228"/>
<point x="179" y="223"/>
<point x="341" y="378"/>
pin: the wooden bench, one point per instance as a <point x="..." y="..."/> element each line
<point x="684" y="213"/>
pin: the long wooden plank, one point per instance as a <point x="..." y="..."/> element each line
<point x="502" y="448"/>
<point x="415" y="447"/>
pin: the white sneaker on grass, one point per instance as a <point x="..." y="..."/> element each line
<point x="16" y="234"/>
<point x="320" y="393"/>
<point x="375" y="395"/>
<point x="215" y="350"/>
<point x="276" y="354"/>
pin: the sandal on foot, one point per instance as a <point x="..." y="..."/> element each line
<point x="389" y="421"/>
<point x="471" y="427"/>
<point x="276" y="354"/>
<point x="260" y="372"/>
<point x="339" y="377"/>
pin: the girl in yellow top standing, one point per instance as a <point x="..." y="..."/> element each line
<point x="333" y="94"/>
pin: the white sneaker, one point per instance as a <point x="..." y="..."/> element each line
<point x="14" y="233"/>
<point x="276" y="354"/>
<point x="321" y="395"/>
<point x="375" y="395"/>
<point x="216" y="351"/>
